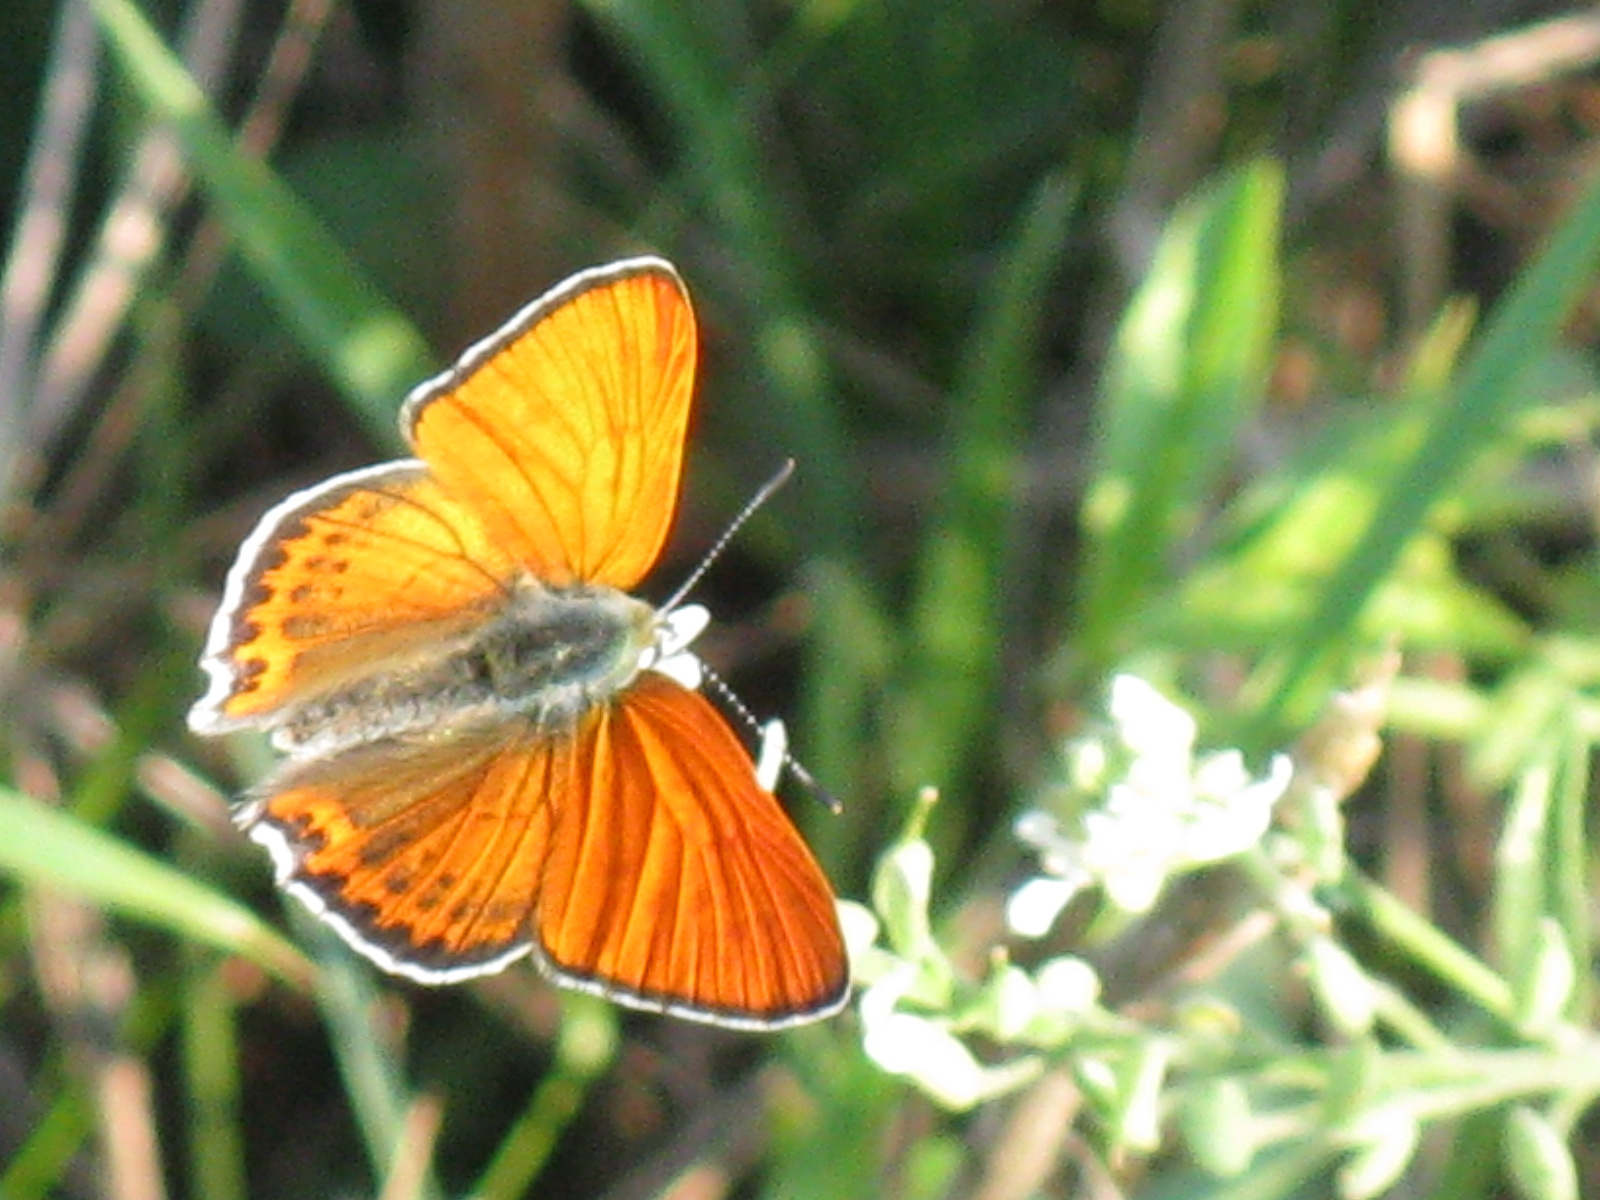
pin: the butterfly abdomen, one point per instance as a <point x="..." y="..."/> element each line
<point x="550" y="655"/>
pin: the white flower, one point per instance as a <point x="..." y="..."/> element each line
<point x="924" y="1049"/>
<point x="1160" y="812"/>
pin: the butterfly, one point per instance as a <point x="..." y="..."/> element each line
<point x="492" y="749"/>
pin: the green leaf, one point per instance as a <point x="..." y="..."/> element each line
<point x="957" y="611"/>
<point x="1218" y="1126"/>
<point x="43" y="847"/>
<point x="1378" y="1163"/>
<point x="1537" y="1157"/>
<point x="1521" y="331"/>
<point x="1188" y="368"/>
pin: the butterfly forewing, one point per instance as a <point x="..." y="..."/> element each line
<point x="675" y="882"/>
<point x="338" y="582"/>
<point x="565" y="429"/>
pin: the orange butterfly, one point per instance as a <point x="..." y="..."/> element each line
<point x="492" y="748"/>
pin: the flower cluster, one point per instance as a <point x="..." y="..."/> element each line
<point x="1143" y="807"/>
<point x="1150" y="809"/>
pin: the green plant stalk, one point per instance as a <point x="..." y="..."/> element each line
<point x="1425" y="945"/>
<point x="525" y="1150"/>
<point x="39" y="1166"/>
<point x="42" y="1160"/>
<point x="849" y="657"/>
<point x="953" y="655"/>
<point x="583" y="1051"/>
<point x="373" y="1078"/>
<point x="1407" y="1020"/>
<point x="165" y="455"/>
<point x="211" y="1069"/>
<point x="158" y="696"/>
<point x="1427" y="1087"/>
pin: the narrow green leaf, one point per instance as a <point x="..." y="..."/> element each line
<point x="372" y="1073"/>
<point x="1378" y="1164"/>
<point x="1519" y="889"/>
<point x="1217" y="1124"/>
<point x="698" y="67"/>
<point x="1188" y="368"/>
<point x="44" y="847"/>
<point x="956" y="613"/>
<point x="212" y="1076"/>
<point x="849" y="655"/>
<point x="1571" y="856"/>
<point x="1538" y="1158"/>
<point x="1545" y="983"/>
<point x="1521" y="330"/>
<point x="37" y="1165"/>
<point x="586" y="1047"/>
<point x="1427" y="946"/>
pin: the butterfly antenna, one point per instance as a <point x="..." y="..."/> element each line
<point x="779" y="478"/>
<point x="790" y="763"/>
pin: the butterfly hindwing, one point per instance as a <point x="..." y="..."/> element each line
<point x="424" y="853"/>
<point x="675" y="882"/>
<point x="637" y="852"/>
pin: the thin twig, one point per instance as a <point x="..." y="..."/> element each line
<point x="48" y="184"/>
<point x="286" y="69"/>
<point x="1425" y="143"/>
<point x="293" y="51"/>
<point x="131" y="235"/>
<point x="1029" y="1149"/>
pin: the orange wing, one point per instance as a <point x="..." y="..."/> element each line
<point x="424" y="854"/>
<point x="564" y="429"/>
<point x="337" y="583"/>
<point x="675" y="883"/>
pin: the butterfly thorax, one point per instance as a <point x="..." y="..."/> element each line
<point x="548" y="655"/>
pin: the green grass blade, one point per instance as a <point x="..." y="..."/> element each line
<point x="585" y="1049"/>
<point x="1520" y="900"/>
<point x="1188" y="368"/>
<point x="956" y="611"/>
<point x="1571" y="854"/>
<point x="852" y="650"/>
<point x="700" y="69"/>
<point x="44" y="847"/>
<point x="1521" y="330"/>
<point x="1285" y="534"/>
<point x="37" y="1166"/>
<point x="373" y="1075"/>
<point x="371" y="351"/>
<point x="211" y="1070"/>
